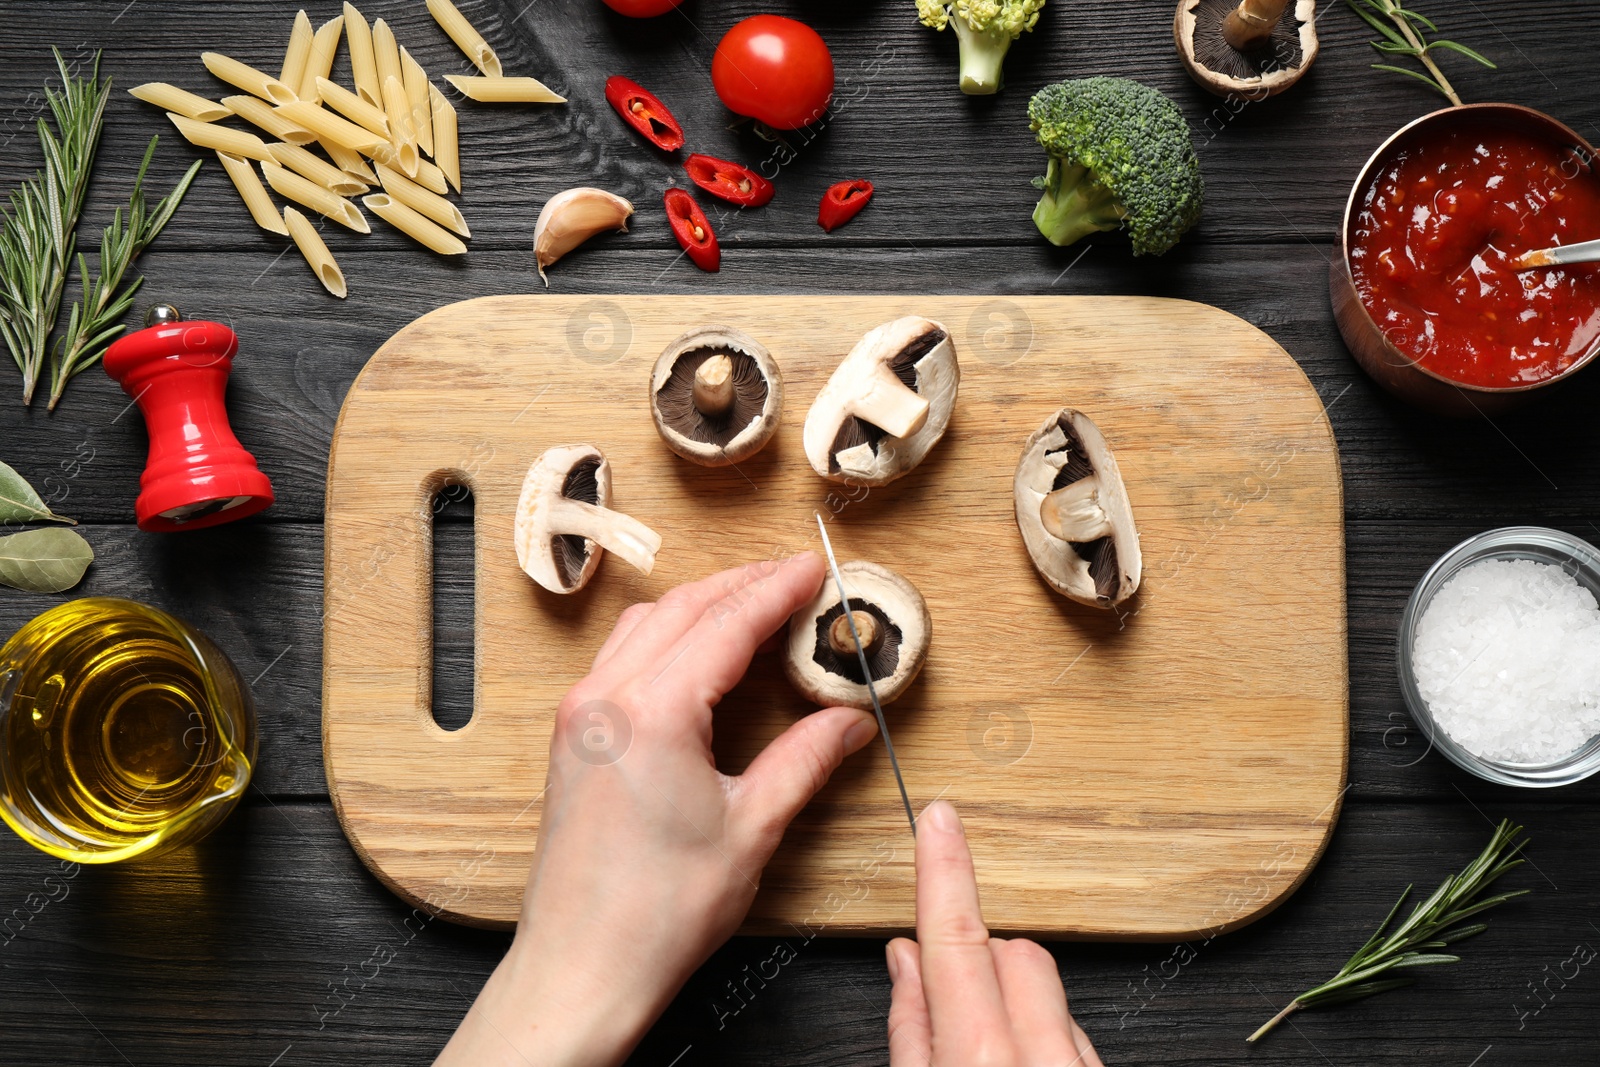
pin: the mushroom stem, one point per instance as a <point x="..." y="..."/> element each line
<point x="889" y="404"/>
<point x="1073" y="512"/>
<point x="866" y="625"/>
<point x="611" y="530"/>
<point x="713" y="386"/>
<point x="1250" y="25"/>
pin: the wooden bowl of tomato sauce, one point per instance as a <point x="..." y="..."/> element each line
<point x="1423" y="285"/>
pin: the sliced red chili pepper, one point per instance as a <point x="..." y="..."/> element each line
<point x="733" y="182"/>
<point x="640" y="109"/>
<point x="693" y="230"/>
<point x="843" y="202"/>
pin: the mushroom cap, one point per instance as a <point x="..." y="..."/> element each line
<point x="562" y="563"/>
<point x="842" y="444"/>
<point x="716" y="441"/>
<point x="1220" y="68"/>
<point x="1102" y="572"/>
<point x="822" y="675"/>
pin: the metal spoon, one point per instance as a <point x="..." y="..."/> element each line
<point x="1560" y="256"/>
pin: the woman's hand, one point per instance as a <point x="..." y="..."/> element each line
<point x="965" y="999"/>
<point x="648" y="857"/>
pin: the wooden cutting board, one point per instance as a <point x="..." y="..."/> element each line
<point x="1171" y="773"/>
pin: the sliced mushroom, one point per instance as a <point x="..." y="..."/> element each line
<point x="886" y="405"/>
<point x="1249" y="49"/>
<point x="717" y="395"/>
<point x="1074" y="514"/>
<point x="892" y="619"/>
<point x="564" y="524"/>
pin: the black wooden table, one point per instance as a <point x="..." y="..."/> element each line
<point x="271" y="944"/>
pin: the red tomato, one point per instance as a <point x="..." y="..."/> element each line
<point x="642" y="9"/>
<point x="774" y="69"/>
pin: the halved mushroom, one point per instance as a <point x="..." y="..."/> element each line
<point x="886" y="405"/>
<point x="892" y="619"/>
<point x="564" y="523"/>
<point x="1247" y="49"/>
<point x="1074" y="514"/>
<point x="717" y="395"/>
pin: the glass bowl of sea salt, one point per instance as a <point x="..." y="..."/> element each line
<point x="1500" y="656"/>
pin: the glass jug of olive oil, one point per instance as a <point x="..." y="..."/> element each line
<point x="123" y="732"/>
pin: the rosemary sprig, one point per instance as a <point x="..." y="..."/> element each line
<point x="1405" y="33"/>
<point x="97" y="319"/>
<point x="1433" y="924"/>
<point x="36" y="232"/>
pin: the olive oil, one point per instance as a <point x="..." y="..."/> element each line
<point x="123" y="732"/>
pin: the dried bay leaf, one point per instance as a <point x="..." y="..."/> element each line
<point x="44" y="561"/>
<point x="18" y="501"/>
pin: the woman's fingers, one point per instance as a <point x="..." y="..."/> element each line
<point x="958" y="992"/>
<point x="910" y="1032"/>
<point x="795" y="766"/>
<point x="1084" y="1054"/>
<point x="958" y="971"/>
<point x="630" y="618"/>
<point x="680" y="609"/>
<point x="714" y="654"/>
<point x="1035" y="1001"/>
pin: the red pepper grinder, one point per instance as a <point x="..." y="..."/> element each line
<point x="197" y="474"/>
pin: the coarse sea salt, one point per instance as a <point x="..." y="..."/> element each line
<point x="1507" y="655"/>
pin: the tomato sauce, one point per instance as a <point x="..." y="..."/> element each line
<point x="1434" y="244"/>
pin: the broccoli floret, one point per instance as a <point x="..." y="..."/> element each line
<point x="985" y="30"/>
<point x="1120" y="156"/>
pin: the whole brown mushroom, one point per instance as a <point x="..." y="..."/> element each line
<point x="892" y="619"/>
<point x="1246" y="49"/>
<point x="716" y="395"/>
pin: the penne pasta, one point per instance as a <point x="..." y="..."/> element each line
<point x="431" y="178"/>
<point x="386" y="53"/>
<point x="403" y="138"/>
<point x="171" y="98"/>
<point x="317" y="257"/>
<point x="248" y="78"/>
<point x="318" y="170"/>
<point x="389" y="155"/>
<point x="350" y="161"/>
<point x="419" y="109"/>
<point x="330" y="127"/>
<point x="258" y="112"/>
<point x="466" y="37"/>
<point x="505" y="90"/>
<point x="363" y="66"/>
<point x="253" y="193"/>
<point x="414" y="225"/>
<point x="422" y="200"/>
<point x="446" y="147"/>
<point x="299" y="50"/>
<point x="307" y="192"/>
<point x="324" y="46"/>
<point x="353" y="107"/>
<point x="220" y="138"/>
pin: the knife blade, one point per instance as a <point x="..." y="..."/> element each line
<point x="866" y="671"/>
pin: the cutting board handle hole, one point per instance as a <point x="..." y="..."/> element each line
<point x="454" y="548"/>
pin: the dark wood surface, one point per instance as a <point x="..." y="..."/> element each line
<point x="261" y="946"/>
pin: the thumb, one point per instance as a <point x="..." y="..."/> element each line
<point x="795" y="766"/>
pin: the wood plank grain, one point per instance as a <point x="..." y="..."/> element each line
<point x="300" y="349"/>
<point x="257" y="590"/>
<point x="271" y="941"/>
<point x="1278" y="170"/>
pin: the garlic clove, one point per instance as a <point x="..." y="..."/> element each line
<point x="572" y="217"/>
